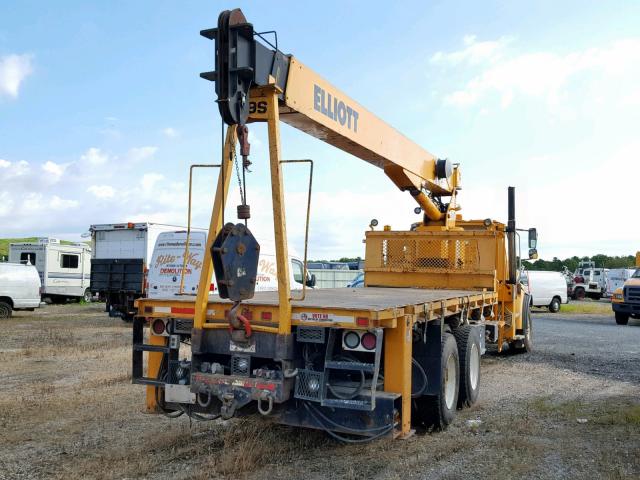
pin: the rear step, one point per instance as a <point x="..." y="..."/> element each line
<point x="139" y="347"/>
<point x="367" y="398"/>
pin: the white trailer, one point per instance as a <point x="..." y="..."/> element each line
<point x="121" y="256"/>
<point x="64" y="269"/>
<point x="617" y="277"/>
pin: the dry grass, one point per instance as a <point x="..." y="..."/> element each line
<point x="68" y="410"/>
<point x="619" y="411"/>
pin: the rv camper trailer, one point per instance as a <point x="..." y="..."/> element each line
<point x="64" y="269"/>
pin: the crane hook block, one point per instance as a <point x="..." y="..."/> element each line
<point x="235" y="253"/>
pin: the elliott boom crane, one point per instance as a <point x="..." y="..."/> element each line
<point x="405" y="350"/>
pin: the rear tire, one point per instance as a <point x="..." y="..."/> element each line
<point x="87" y="296"/>
<point x="5" y="310"/>
<point x="579" y="294"/>
<point x="554" y="306"/>
<point x="622" y="318"/>
<point x="438" y="411"/>
<point x="469" y="354"/>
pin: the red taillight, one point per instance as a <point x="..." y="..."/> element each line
<point x="158" y="326"/>
<point x="362" y="321"/>
<point x="265" y="316"/>
<point x="212" y="287"/>
<point x="368" y="341"/>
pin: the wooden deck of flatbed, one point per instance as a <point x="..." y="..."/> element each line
<point x="369" y="298"/>
<point x="381" y="305"/>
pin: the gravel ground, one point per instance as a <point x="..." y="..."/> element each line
<point x="590" y="344"/>
<point x="68" y="410"/>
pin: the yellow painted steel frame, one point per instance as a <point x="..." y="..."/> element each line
<point x="217" y="214"/>
<point x="397" y="368"/>
<point x="279" y="221"/>
<point x="153" y="368"/>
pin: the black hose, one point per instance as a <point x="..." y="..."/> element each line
<point x="165" y="412"/>
<point x="358" y="389"/>
<point x="200" y="417"/>
<point x="381" y="431"/>
<point x="337" y="425"/>
<point x="425" y="382"/>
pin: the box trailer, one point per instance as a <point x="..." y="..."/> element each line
<point x="64" y="269"/>
<point x="121" y="254"/>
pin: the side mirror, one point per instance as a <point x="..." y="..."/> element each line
<point x="533" y="254"/>
<point x="533" y="238"/>
<point x="311" y="281"/>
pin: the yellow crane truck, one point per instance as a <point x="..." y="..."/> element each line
<point x="625" y="301"/>
<point x="360" y="363"/>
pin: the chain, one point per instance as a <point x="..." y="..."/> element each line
<point x="236" y="163"/>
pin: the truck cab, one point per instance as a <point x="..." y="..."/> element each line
<point x="588" y="282"/>
<point x="626" y="300"/>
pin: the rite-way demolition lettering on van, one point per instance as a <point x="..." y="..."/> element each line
<point x="167" y="260"/>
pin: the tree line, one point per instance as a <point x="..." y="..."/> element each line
<point x="601" y="261"/>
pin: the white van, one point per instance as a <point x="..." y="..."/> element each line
<point x="167" y="259"/>
<point x="547" y="289"/>
<point x="19" y="288"/>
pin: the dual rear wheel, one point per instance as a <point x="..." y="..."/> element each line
<point x="460" y="379"/>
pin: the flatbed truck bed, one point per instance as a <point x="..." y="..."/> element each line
<point x="365" y="307"/>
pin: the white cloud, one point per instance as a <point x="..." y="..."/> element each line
<point x="149" y="180"/>
<point x="540" y="75"/>
<point x="34" y="205"/>
<point x="54" y="170"/>
<point x="102" y="191"/>
<point x="170" y="132"/>
<point x="6" y="204"/>
<point x="139" y="154"/>
<point x="14" y="169"/>
<point x="58" y="203"/>
<point x="95" y="156"/>
<point x="13" y="70"/>
<point x="474" y="52"/>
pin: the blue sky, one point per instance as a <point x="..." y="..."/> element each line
<point x="102" y="110"/>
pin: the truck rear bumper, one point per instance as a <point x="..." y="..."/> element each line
<point x="629" y="308"/>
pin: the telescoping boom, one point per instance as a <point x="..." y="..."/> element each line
<point x="401" y="353"/>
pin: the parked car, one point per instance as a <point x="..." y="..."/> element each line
<point x="547" y="289"/>
<point x="19" y="288"/>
